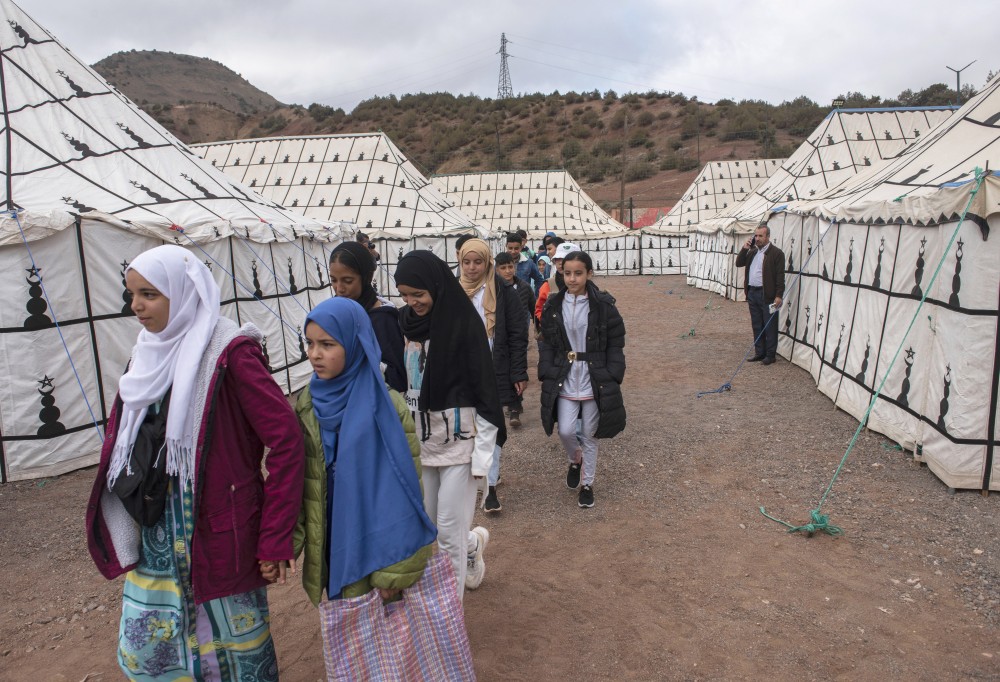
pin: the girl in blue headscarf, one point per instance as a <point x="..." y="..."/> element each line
<point x="362" y="522"/>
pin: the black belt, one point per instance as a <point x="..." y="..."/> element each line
<point x="573" y="355"/>
<point x="755" y="288"/>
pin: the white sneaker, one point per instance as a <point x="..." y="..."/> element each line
<point x="476" y="567"/>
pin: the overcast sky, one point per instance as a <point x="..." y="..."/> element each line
<point x="341" y="52"/>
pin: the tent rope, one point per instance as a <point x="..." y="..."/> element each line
<point x="180" y="230"/>
<point x="820" y="522"/>
<point x="13" y="213"/>
<point x="705" y="309"/>
<point x="277" y="279"/>
<point x="728" y="386"/>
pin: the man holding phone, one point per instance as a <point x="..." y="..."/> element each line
<point x="764" y="280"/>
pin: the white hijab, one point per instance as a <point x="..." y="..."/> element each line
<point x="169" y="358"/>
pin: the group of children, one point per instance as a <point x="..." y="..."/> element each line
<point x="401" y="424"/>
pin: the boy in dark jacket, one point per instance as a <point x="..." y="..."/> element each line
<point x="505" y="267"/>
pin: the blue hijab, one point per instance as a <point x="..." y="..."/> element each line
<point x="377" y="517"/>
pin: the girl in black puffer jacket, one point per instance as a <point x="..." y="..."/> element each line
<point x="581" y="365"/>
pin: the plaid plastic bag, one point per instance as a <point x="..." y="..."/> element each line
<point x="421" y="637"/>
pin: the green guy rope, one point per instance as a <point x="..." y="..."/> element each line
<point x="821" y="522"/>
<point x="705" y="309"/>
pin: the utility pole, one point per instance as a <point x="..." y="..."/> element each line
<point x="958" y="80"/>
<point x="621" y="197"/>
<point x="504" y="89"/>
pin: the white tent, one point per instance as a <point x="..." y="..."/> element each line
<point x="539" y="202"/>
<point x="359" y="178"/>
<point x="719" y="186"/>
<point x="844" y="144"/>
<point x="90" y="182"/>
<point x="871" y="247"/>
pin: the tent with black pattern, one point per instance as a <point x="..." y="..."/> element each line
<point x="719" y="186"/>
<point x="845" y="143"/>
<point x="360" y="178"/>
<point x="539" y="202"/>
<point x="900" y="291"/>
<point x="89" y="182"/>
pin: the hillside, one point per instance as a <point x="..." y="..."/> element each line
<point x="192" y="96"/>
<point x="660" y="139"/>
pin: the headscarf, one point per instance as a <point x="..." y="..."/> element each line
<point x="459" y="370"/>
<point x="168" y="359"/>
<point x="378" y="516"/>
<point x="472" y="286"/>
<point x="359" y="258"/>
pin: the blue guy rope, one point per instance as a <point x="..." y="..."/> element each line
<point x="236" y="279"/>
<point x="276" y="278"/>
<point x="728" y="386"/>
<point x="820" y="521"/>
<point x="55" y="320"/>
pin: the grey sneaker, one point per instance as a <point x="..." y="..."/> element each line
<point x="586" y="497"/>
<point x="476" y="567"/>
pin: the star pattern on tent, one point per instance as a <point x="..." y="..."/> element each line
<point x="910" y="353"/>
<point x="33" y="271"/>
<point x="46" y="382"/>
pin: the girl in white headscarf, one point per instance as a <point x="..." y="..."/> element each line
<point x="180" y="504"/>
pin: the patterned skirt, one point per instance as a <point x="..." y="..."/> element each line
<point x="164" y="635"/>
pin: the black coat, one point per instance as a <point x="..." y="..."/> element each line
<point x="605" y="339"/>
<point x="510" y="342"/>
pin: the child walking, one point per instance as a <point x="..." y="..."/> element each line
<point x="505" y="267"/>
<point x="507" y="331"/>
<point x="351" y="270"/>
<point x="179" y="504"/>
<point x="452" y="392"/>
<point x="362" y="523"/>
<point x="581" y="365"/>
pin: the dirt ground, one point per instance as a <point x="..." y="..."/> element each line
<point x="673" y="575"/>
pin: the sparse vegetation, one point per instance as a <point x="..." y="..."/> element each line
<point x="589" y="133"/>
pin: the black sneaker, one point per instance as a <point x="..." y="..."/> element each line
<point x="573" y="476"/>
<point x="492" y="503"/>
<point x="515" y="419"/>
<point x="586" y="497"/>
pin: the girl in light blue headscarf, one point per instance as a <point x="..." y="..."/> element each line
<point x="362" y="523"/>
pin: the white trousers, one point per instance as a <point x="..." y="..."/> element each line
<point x="568" y="411"/>
<point x="450" y="501"/>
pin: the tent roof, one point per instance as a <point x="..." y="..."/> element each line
<point x="845" y="142"/>
<point x="719" y="185"/>
<point x="76" y="146"/>
<point x="362" y="178"/>
<point x="534" y="201"/>
<point x="928" y="182"/>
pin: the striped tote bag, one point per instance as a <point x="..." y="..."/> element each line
<point x="421" y="637"/>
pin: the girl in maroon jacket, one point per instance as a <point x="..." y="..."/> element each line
<point x="179" y="504"/>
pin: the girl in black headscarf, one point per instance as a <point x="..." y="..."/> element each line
<point x="452" y="390"/>
<point x="352" y="268"/>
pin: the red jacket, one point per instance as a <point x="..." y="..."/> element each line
<point x="240" y="517"/>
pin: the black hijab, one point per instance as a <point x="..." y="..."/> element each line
<point x="358" y="258"/>
<point x="459" y="371"/>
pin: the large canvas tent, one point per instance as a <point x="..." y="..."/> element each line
<point x="539" y="202"/>
<point x="360" y="178"/>
<point x="846" y="142"/>
<point x="89" y="182"/>
<point x="870" y="248"/>
<point x="719" y="185"/>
